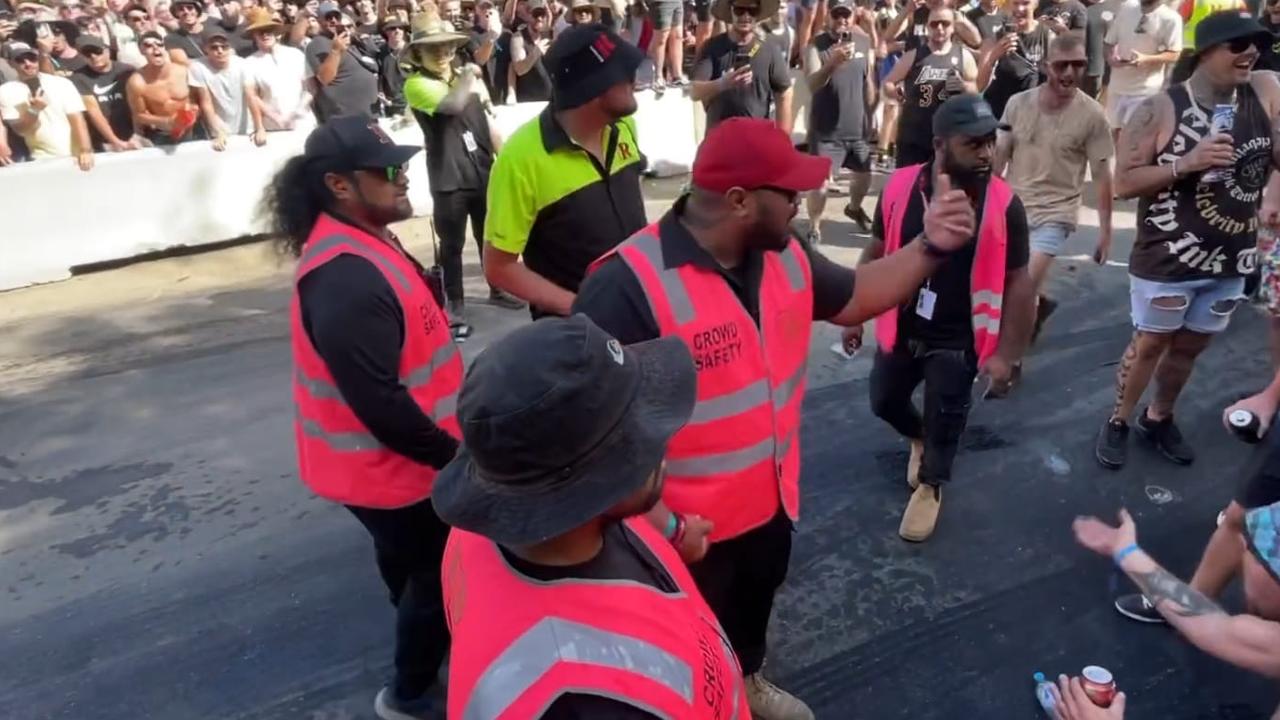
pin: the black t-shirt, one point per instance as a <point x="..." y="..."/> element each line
<point x="768" y="68"/>
<point x="613" y="298"/>
<point x="952" y="323"/>
<point x="108" y="89"/>
<point x="622" y="556"/>
<point x="391" y="78"/>
<point x="839" y="108"/>
<point x="988" y="24"/>
<point x="1019" y="70"/>
<point x="65" y="66"/>
<point x="1270" y="58"/>
<point x="238" y="38"/>
<point x="185" y="40"/>
<point x="1070" y="12"/>
<point x="459" y="147"/>
<point x="916" y="34"/>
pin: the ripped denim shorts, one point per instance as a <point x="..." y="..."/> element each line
<point x="1202" y="306"/>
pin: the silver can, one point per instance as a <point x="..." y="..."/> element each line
<point x="1224" y="118"/>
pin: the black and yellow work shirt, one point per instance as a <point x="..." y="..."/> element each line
<point x="557" y="205"/>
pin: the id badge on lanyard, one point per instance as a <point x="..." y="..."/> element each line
<point x="927" y="298"/>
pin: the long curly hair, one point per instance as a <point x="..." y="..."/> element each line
<point x="293" y="200"/>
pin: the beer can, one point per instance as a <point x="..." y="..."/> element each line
<point x="1224" y="118"/>
<point x="1245" y="425"/>
<point x="1099" y="685"/>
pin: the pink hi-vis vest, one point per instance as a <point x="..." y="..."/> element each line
<point x="986" y="283"/>
<point x="739" y="455"/>
<point x="519" y="643"/>
<point x="338" y="458"/>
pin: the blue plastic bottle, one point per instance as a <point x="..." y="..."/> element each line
<point x="1044" y="693"/>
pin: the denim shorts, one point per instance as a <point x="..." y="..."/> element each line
<point x="1049" y="238"/>
<point x="1202" y="306"/>
<point x="666" y="14"/>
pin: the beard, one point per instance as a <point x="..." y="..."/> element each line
<point x="969" y="178"/>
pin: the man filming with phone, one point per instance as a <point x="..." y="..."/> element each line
<point x="46" y="110"/>
<point x="346" y="81"/>
<point x="737" y="73"/>
<point x="840" y="67"/>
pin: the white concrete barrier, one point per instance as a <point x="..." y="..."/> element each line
<point x="57" y="217"/>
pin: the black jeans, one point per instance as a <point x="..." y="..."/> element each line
<point x="409" y="544"/>
<point x="948" y="385"/>
<point x="739" y="578"/>
<point x="450" y="214"/>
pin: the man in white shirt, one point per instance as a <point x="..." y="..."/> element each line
<point x="278" y="74"/>
<point x="1144" y="40"/>
<point x="46" y="110"/>
<point x="224" y="89"/>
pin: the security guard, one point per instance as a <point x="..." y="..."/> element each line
<point x="722" y="272"/>
<point x="376" y="376"/>
<point x="566" y="186"/>
<point x="564" y="602"/>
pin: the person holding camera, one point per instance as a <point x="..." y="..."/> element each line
<point x="45" y="110"/>
<point x="923" y="79"/>
<point x="346" y="80"/>
<point x="840" y="67"/>
<point x="738" y="74"/>
<point x="1013" y="60"/>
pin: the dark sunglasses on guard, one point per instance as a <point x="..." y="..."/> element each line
<point x="1240" y="45"/>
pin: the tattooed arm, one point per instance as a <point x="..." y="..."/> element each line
<point x="1246" y="641"/>
<point x="1149" y="127"/>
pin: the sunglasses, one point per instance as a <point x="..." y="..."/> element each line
<point x="151" y="45"/>
<point x="745" y="10"/>
<point x="218" y="47"/>
<point x="392" y="173"/>
<point x="1061" y="66"/>
<point x="539" y="13"/>
<point x="939" y="24"/>
<point x="1240" y="45"/>
<point x="843" y="13"/>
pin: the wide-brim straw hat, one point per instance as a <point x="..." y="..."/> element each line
<point x="429" y="29"/>
<point x="259" y="20"/>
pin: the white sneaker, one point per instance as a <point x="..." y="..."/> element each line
<point x="770" y="702"/>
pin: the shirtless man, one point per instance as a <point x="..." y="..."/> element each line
<point x="160" y="98"/>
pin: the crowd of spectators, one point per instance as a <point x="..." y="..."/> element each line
<point x="79" y="77"/>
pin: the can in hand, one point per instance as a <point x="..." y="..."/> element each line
<point x="1224" y="118"/>
<point x="1099" y="685"/>
<point x="1245" y="425"/>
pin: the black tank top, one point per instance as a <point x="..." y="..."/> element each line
<point x="1196" y="230"/>
<point x="924" y="90"/>
<point x="535" y="85"/>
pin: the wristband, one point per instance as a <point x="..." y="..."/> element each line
<point x="933" y="250"/>
<point x="672" y="524"/>
<point x="1125" y="552"/>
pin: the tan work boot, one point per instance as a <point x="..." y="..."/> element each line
<point x="913" y="465"/>
<point x="770" y="702"/>
<point x="922" y="513"/>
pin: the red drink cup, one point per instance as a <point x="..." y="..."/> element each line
<point x="1099" y="685"/>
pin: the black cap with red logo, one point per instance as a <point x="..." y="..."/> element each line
<point x="585" y="61"/>
<point x="353" y="143"/>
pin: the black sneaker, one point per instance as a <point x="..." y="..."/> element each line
<point x="388" y="706"/>
<point x="858" y="216"/>
<point x="1137" y="607"/>
<point x="1112" y="445"/>
<point x="461" y="331"/>
<point x="1044" y="308"/>
<point x="1167" y="438"/>
<point x="505" y="300"/>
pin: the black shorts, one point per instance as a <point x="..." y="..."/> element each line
<point x="1261" y="486"/>
<point x="852" y="155"/>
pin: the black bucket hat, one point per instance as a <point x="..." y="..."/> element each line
<point x="586" y="60"/>
<point x="560" y="422"/>
<point x="1227" y="25"/>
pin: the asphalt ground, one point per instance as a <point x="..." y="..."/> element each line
<point x="160" y="559"/>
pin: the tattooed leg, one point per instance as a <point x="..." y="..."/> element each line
<point x="1174" y="370"/>
<point x="1136" y="367"/>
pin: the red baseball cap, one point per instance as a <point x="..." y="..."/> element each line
<point x="752" y="153"/>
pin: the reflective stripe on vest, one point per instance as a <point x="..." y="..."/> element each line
<point x="987" y="276"/>
<point x="742" y="438"/>
<point x="313" y="249"/>
<point x="520" y="643"/>
<point x="554" y="640"/>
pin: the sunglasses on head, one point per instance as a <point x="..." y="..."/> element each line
<point x="151" y="45"/>
<point x="137" y="18"/>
